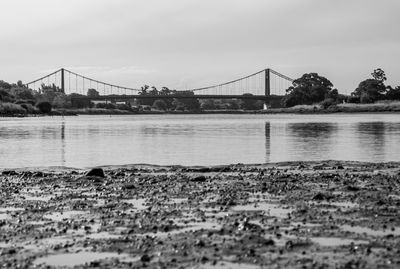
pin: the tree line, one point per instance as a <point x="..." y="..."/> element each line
<point x="312" y="88"/>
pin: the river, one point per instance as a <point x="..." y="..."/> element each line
<point x="86" y="141"/>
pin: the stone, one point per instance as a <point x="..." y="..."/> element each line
<point x="96" y="172"/>
<point x="9" y="173"/>
<point x="145" y="258"/>
<point x="198" y="179"/>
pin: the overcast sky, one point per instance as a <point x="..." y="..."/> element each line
<point x="194" y="43"/>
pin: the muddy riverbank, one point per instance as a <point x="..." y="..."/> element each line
<point x="286" y="215"/>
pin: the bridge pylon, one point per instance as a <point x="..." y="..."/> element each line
<point x="267" y="87"/>
<point x="62" y="81"/>
<point x="267" y="82"/>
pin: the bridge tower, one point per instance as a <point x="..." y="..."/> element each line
<point x="267" y="82"/>
<point x="267" y="87"/>
<point x="62" y="81"/>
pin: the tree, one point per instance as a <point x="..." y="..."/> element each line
<point x="143" y="90"/>
<point x="77" y="101"/>
<point x="165" y="91"/>
<point x="191" y="104"/>
<point x="61" y="101"/>
<point x="207" y="104"/>
<point x="92" y="93"/>
<point x="22" y="93"/>
<point x="379" y="75"/>
<point x="5" y="96"/>
<point x="160" y="104"/>
<point x="44" y="107"/>
<point x="393" y="94"/>
<point x="153" y="91"/>
<point x="250" y="104"/>
<point x="310" y="88"/>
<point x="371" y="89"/>
<point x="5" y="85"/>
<point x="233" y="104"/>
<point x="20" y="84"/>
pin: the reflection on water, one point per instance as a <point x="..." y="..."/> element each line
<point x="311" y="138"/>
<point x="267" y="141"/>
<point x="372" y="137"/>
<point x="86" y="141"/>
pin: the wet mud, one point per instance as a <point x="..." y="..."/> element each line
<point x="287" y="215"/>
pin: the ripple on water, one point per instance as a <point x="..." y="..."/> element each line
<point x="80" y="258"/>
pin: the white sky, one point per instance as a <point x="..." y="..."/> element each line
<point x="194" y="43"/>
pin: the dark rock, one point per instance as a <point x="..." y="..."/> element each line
<point x="200" y="243"/>
<point x="352" y="188"/>
<point x="12" y="251"/>
<point x="203" y="170"/>
<point x="95" y="172"/>
<point x="321" y="196"/>
<point x="204" y="259"/>
<point x="38" y="174"/>
<point x="145" y="258"/>
<point x="198" y="179"/>
<point x="9" y="173"/>
<point x="95" y="264"/>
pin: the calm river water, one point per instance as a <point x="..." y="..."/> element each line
<point x="86" y="141"/>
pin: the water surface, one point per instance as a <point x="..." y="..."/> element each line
<point x="86" y="141"/>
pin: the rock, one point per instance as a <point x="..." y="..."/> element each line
<point x="129" y="186"/>
<point x="9" y="173"/>
<point x="145" y="258"/>
<point x="198" y="179"/>
<point x="38" y="174"/>
<point x="200" y="243"/>
<point x="352" y="188"/>
<point x="95" y="172"/>
<point x="322" y="196"/>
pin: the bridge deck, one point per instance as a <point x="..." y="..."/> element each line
<point x="197" y="96"/>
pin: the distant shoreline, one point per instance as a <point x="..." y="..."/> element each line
<point x="381" y="107"/>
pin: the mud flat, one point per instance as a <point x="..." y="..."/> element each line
<point x="287" y="215"/>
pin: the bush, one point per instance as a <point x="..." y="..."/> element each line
<point x="366" y="98"/>
<point x="160" y="105"/>
<point x="124" y="107"/>
<point x="105" y="105"/>
<point x="5" y="96"/>
<point x="327" y="103"/>
<point x="353" y="99"/>
<point x="44" y="107"/>
<point x="11" y="109"/>
<point x="207" y="104"/>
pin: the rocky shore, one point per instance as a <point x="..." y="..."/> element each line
<point x="286" y="215"/>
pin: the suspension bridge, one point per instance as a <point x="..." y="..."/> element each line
<point x="265" y="85"/>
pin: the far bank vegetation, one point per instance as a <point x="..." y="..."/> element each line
<point x="309" y="93"/>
